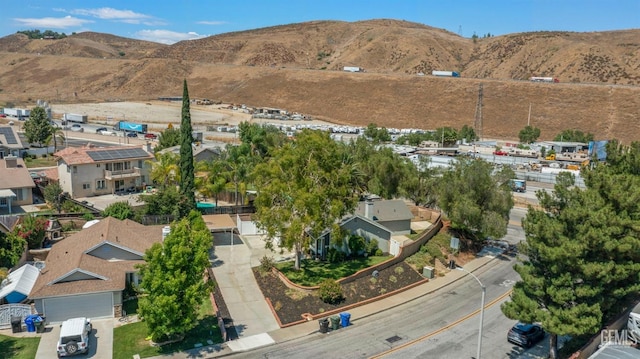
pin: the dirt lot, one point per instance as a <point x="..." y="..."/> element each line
<point x="158" y="114"/>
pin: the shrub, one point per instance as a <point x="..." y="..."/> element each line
<point x="335" y="255"/>
<point x="398" y="270"/>
<point x="330" y="291"/>
<point x="372" y="246"/>
<point x="88" y="216"/>
<point x="378" y="252"/>
<point x="266" y="264"/>
<point x="393" y="279"/>
<point x="356" y="244"/>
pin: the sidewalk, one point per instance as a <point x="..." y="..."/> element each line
<point x="281" y="335"/>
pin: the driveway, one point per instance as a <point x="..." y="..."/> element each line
<point x="100" y="341"/>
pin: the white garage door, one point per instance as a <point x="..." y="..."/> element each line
<point x="87" y="305"/>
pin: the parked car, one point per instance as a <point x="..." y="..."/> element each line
<point x="74" y="336"/>
<point x="76" y="127"/>
<point x="150" y="136"/>
<point x="3" y="115"/>
<point x="525" y="335"/>
<point x="500" y="153"/>
<point x="132" y="134"/>
<point x="100" y="129"/>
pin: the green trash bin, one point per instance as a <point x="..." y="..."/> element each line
<point x="335" y="322"/>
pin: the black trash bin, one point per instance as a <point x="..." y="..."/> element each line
<point x="16" y="324"/>
<point x="324" y="325"/>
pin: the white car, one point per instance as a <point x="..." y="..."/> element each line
<point x="74" y="336"/>
<point x="76" y="127"/>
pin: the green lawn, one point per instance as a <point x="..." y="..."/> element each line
<point x="18" y="348"/>
<point x="49" y="161"/>
<point x="130" y="339"/>
<point x="313" y="272"/>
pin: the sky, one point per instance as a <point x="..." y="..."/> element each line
<point x="170" y="21"/>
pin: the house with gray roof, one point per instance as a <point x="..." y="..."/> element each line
<point x="373" y="218"/>
<point x="86" y="273"/>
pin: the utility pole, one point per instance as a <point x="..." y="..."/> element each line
<point x="529" y="117"/>
<point x="478" y="116"/>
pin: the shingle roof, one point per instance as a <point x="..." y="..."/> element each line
<point x="72" y="256"/>
<point x="15" y="177"/>
<point x="387" y="210"/>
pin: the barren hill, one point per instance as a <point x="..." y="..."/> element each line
<point x="297" y="67"/>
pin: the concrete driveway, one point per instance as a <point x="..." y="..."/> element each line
<point x="100" y="341"/>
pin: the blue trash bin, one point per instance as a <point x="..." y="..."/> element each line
<point x="31" y="325"/>
<point x="344" y="319"/>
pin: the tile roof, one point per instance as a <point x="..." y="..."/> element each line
<point x="15" y="177"/>
<point x="72" y="257"/>
<point x="79" y="155"/>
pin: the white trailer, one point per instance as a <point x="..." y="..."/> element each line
<point x="17" y="112"/>
<point x="72" y="117"/>
<point x="353" y="69"/>
<point x="544" y="79"/>
<point x="445" y="73"/>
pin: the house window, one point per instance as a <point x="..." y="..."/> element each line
<point x="98" y="165"/>
<point x="139" y="163"/>
<point x="108" y="166"/>
<point x="127" y="165"/>
<point x="75" y="169"/>
<point x="101" y="184"/>
<point x="86" y="186"/>
<point x="3" y="202"/>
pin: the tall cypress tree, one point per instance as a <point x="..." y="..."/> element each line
<point x="187" y="181"/>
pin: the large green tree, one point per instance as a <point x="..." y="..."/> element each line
<point x="476" y="198"/>
<point x="121" y="210"/>
<point x="53" y="195"/>
<point x="582" y="249"/>
<point x="187" y="179"/>
<point x="173" y="279"/>
<point x="574" y="136"/>
<point x="168" y="138"/>
<point x="32" y="229"/>
<point x="305" y="188"/>
<point x="529" y="134"/>
<point x="11" y="248"/>
<point x="37" y="127"/>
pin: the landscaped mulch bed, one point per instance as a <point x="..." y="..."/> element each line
<point x="290" y="304"/>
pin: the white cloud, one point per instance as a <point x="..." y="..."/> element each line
<point x="53" y="22"/>
<point x="107" y="13"/>
<point x="211" y="22"/>
<point x="166" y="36"/>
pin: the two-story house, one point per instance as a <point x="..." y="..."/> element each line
<point x="93" y="171"/>
<point x="16" y="184"/>
<point x="10" y="143"/>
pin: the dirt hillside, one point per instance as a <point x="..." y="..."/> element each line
<point x="298" y="67"/>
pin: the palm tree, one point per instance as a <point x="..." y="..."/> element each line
<point x="57" y="137"/>
<point x="165" y="169"/>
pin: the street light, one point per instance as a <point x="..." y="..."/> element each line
<point x="484" y="290"/>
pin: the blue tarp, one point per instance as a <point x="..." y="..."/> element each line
<point x="599" y="148"/>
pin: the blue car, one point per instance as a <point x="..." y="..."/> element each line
<point x="132" y="134"/>
<point x="525" y="335"/>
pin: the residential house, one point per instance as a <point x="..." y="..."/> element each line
<point x="16" y="184"/>
<point x="93" y="171"/>
<point x="202" y="151"/>
<point x="86" y="273"/>
<point x="373" y="219"/>
<point x="10" y="143"/>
